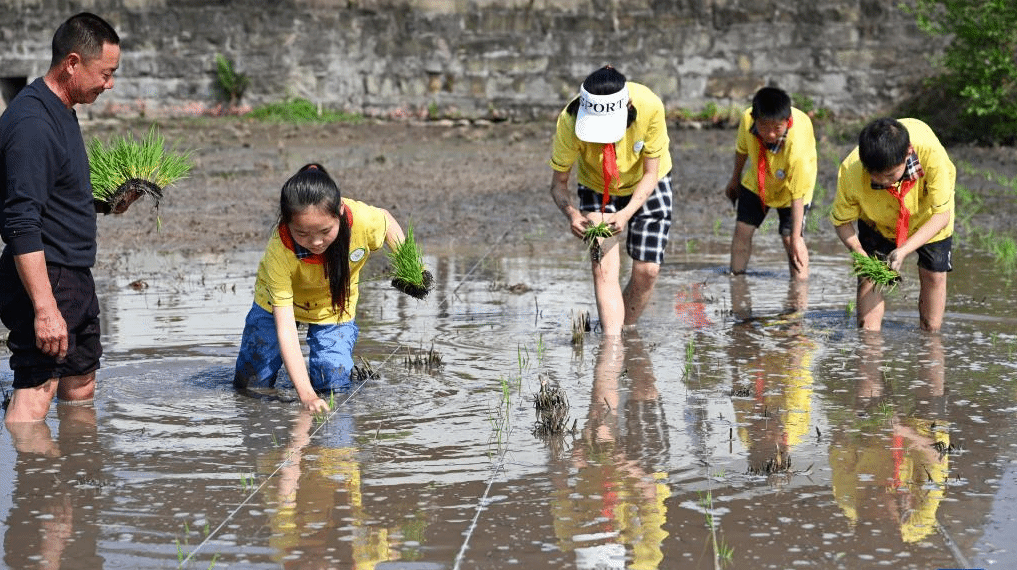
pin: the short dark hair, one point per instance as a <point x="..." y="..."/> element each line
<point x="771" y="103"/>
<point x="883" y="144"/>
<point x="83" y="34"/>
<point x="604" y="81"/>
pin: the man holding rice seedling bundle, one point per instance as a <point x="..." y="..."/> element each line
<point x="616" y="131"/>
<point x="899" y="184"/>
<point x="48" y="220"/>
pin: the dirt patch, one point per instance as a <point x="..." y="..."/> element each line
<point x="460" y="186"/>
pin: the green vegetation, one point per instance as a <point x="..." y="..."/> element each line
<point x="407" y="268"/>
<point x="230" y="84"/>
<point x="979" y="71"/>
<point x="127" y="165"/>
<point x="875" y="270"/>
<point x="297" y="110"/>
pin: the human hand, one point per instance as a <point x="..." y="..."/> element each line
<point x="315" y="405"/>
<point x="799" y="254"/>
<point x="895" y="259"/>
<point x="731" y="191"/>
<point x="51" y="333"/>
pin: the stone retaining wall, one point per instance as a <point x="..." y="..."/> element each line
<point x="520" y="59"/>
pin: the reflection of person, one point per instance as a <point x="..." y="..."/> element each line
<point x="310" y="492"/>
<point x="897" y="474"/>
<point x="777" y="142"/>
<point x="618" y="490"/>
<point x="899" y="184"/>
<point x="616" y="131"/>
<point x="309" y="274"/>
<point x="52" y="523"/>
<point x="47" y="296"/>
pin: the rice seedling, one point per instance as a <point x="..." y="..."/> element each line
<point x="127" y="168"/>
<point x="426" y="361"/>
<point x="594" y="235"/>
<point x="230" y="83"/>
<point x="552" y="408"/>
<point x="875" y="270"/>
<point x="722" y="551"/>
<point x="580" y="326"/>
<point x="407" y="268"/>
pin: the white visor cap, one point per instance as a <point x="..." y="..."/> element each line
<point x="602" y="118"/>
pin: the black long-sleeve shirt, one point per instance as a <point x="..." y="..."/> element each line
<point x="45" y="186"/>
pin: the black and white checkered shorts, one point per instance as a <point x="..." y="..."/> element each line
<point x="648" y="229"/>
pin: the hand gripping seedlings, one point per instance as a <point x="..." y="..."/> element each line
<point x="126" y="169"/>
<point x="407" y="271"/>
<point x="875" y="270"/>
<point x="593" y="236"/>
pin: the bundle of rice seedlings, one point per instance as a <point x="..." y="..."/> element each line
<point x="875" y="270"/>
<point x="407" y="268"/>
<point x="594" y="235"/>
<point x="126" y="169"/>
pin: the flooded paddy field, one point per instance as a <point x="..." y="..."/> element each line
<point x="746" y="423"/>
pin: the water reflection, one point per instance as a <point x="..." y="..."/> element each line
<point x="53" y="523"/>
<point x="890" y="461"/>
<point x="611" y="511"/>
<point x="316" y="504"/>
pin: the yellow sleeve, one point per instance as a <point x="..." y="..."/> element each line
<point x="565" y="150"/>
<point x="846" y="208"/>
<point x="656" y="142"/>
<point x="801" y="175"/>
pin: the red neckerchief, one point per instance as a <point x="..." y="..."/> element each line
<point x="761" y="166"/>
<point x="610" y="168"/>
<point x="903" y="214"/>
<point x="302" y="253"/>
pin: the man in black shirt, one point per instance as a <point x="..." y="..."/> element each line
<point x="47" y="221"/>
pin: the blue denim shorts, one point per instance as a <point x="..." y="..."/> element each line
<point x="648" y="228"/>
<point x="329" y="366"/>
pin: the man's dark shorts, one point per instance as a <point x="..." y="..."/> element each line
<point x="74" y="291"/>
<point x="751" y="211"/>
<point x="933" y="256"/>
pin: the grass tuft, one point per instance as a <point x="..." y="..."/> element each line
<point x="875" y="270"/>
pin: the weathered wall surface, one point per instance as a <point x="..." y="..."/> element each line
<point x="519" y="58"/>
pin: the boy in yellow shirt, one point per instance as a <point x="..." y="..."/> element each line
<point x="778" y="143"/>
<point x="899" y="184"/>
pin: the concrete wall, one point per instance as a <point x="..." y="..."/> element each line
<point x="517" y="58"/>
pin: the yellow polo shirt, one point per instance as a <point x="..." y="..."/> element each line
<point x="284" y="280"/>
<point x="645" y="138"/>
<point x="933" y="192"/>
<point x="791" y="171"/>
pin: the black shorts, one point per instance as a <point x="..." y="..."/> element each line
<point x="752" y="212"/>
<point x="74" y="291"/>
<point x="933" y="256"/>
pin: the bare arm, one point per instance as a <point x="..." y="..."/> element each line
<point x="647" y="184"/>
<point x="736" y="177"/>
<point x="560" y="195"/>
<point x="922" y="236"/>
<point x="50" y="327"/>
<point x="394" y="235"/>
<point x="847" y="235"/>
<point x="799" y="253"/>
<point x="293" y="359"/>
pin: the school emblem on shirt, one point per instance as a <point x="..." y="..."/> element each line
<point x="636" y="148"/>
<point x="357" y="254"/>
<point x="780" y="174"/>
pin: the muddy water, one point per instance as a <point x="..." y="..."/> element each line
<point x="742" y="402"/>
